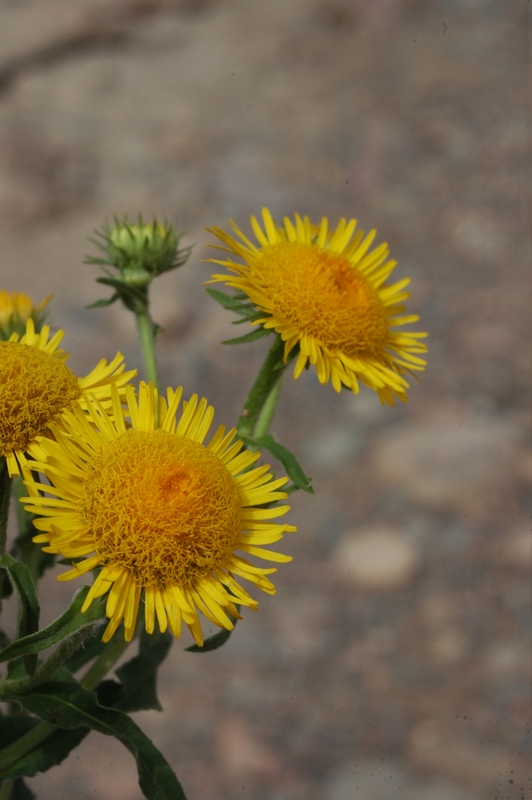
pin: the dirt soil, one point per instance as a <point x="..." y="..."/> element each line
<point x="395" y="659"/>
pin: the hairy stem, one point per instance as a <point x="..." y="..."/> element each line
<point x="5" y="494"/>
<point x="259" y="406"/>
<point x="146" y="329"/>
<point x="24" y="745"/>
<point x="103" y="663"/>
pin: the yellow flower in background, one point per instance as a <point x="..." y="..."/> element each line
<point x="161" y="513"/>
<point x="325" y="292"/>
<point x="15" y="310"/>
<point x="36" y="388"/>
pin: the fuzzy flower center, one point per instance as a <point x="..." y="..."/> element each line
<point x="163" y="507"/>
<point x="324" y="296"/>
<point x="35" y="387"/>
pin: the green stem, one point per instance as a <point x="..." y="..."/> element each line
<point x="103" y="663"/>
<point x="29" y="553"/>
<point x="5" y="494"/>
<point x="24" y="745"/>
<point x="259" y="406"/>
<point x="264" y="421"/>
<point x="51" y="665"/>
<point x="146" y="330"/>
<point x="5" y="789"/>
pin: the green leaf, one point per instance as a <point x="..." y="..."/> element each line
<point x="249" y="337"/>
<point x="19" y="791"/>
<point x="21" y="578"/>
<point x="6" y="588"/>
<point x="230" y="302"/>
<point x="253" y="314"/>
<point x="69" y="622"/>
<point x="104" y="302"/>
<point x="212" y="643"/>
<point x="65" y="703"/>
<point x="290" y="463"/>
<point x="43" y="755"/>
<point x="138" y="677"/>
<point x="215" y="641"/>
<point x="13" y="727"/>
<point x="92" y="647"/>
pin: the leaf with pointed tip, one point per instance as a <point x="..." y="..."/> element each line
<point x="104" y="302"/>
<point x="69" y="622"/>
<point x="19" y="791"/>
<point x="21" y="578"/>
<point x="230" y="302"/>
<point x="212" y="643"/>
<point x="293" y="468"/>
<point x="42" y="756"/>
<point x="138" y="688"/>
<point x="258" y="333"/>
<point x="65" y="703"/>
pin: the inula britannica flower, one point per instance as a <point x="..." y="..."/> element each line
<point x="325" y="293"/>
<point x="15" y="310"/>
<point x="139" y="495"/>
<point x="36" y="388"/>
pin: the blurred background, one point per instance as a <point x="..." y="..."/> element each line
<point x="395" y="660"/>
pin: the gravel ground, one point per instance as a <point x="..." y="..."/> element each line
<point x="394" y="661"/>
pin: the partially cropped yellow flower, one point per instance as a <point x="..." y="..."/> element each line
<point x="325" y="293"/>
<point x="15" y="310"/>
<point x="158" y="511"/>
<point x="36" y="388"/>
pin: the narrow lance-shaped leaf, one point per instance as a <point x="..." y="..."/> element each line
<point x="69" y="622"/>
<point x="43" y="756"/>
<point x="258" y="333"/>
<point x="105" y="302"/>
<point x="293" y="468"/>
<point x="65" y="703"/>
<point x="215" y="641"/>
<point x="29" y="604"/>
<point x="231" y="303"/>
<point x="19" y="791"/>
<point x="138" y="688"/>
<point x="212" y="643"/>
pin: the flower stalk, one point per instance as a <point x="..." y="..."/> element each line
<point x="261" y="402"/>
<point x="147" y="331"/>
<point x="5" y="494"/>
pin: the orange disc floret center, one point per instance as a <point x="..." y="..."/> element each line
<point x="324" y="296"/>
<point x="162" y="507"/>
<point x="35" y="387"/>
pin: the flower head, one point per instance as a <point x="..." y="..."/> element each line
<point x="36" y="388"/>
<point x="324" y="292"/>
<point x="160" y="512"/>
<point x="15" y="309"/>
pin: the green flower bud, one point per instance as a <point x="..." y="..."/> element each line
<point x="142" y="251"/>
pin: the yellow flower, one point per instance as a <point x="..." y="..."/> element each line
<point x="15" y="309"/>
<point x="36" y="388"/>
<point x="159" y="512"/>
<point x="324" y="292"/>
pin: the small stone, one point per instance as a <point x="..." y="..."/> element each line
<point x="376" y="558"/>
<point x="448" y="463"/>
<point x="517" y="549"/>
<point x="376" y="780"/>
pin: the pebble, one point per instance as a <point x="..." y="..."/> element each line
<point x="376" y="780"/>
<point x="376" y="558"/>
<point x="517" y="549"/>
<point x="447" y="463"/>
